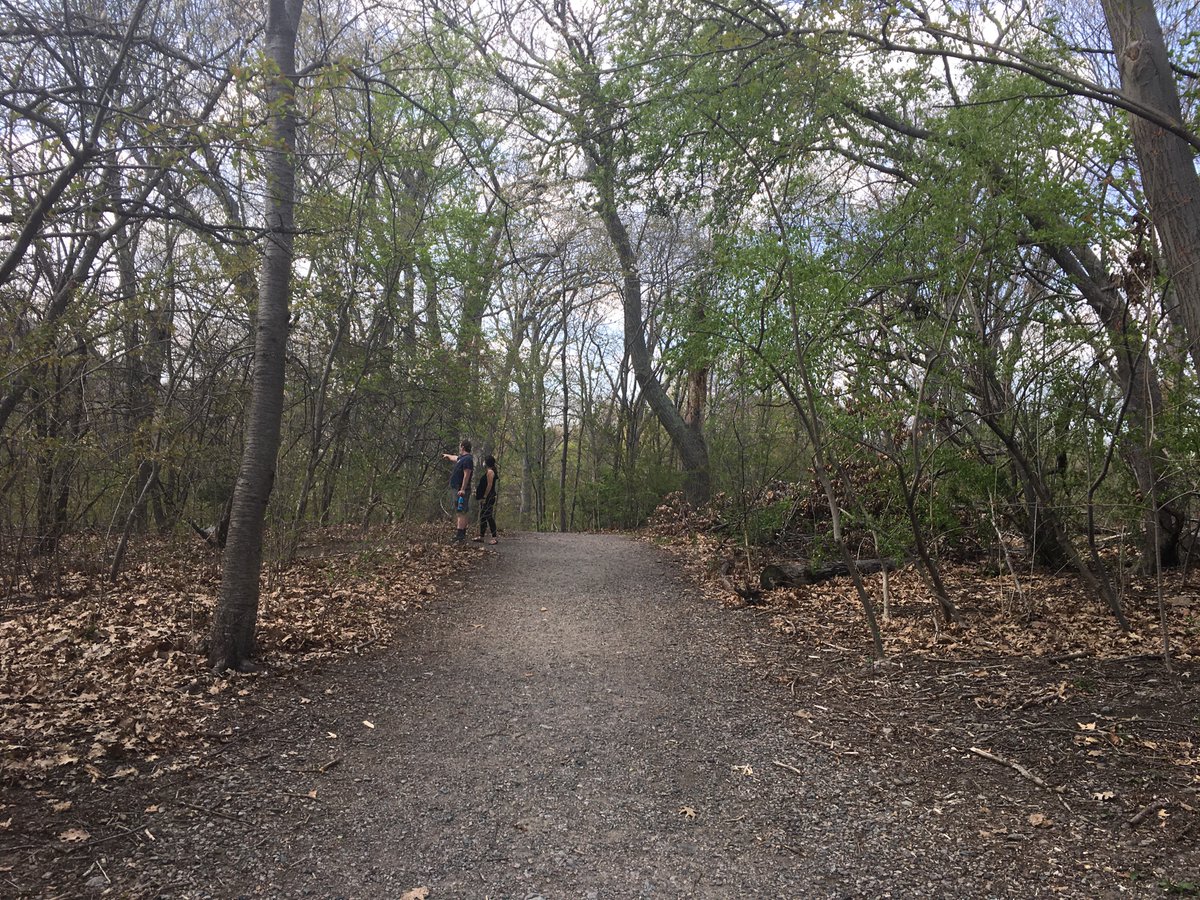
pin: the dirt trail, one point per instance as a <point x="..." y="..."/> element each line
<point x="574" y="722"/>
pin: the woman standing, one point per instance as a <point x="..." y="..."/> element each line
<point x="485" y="493"/>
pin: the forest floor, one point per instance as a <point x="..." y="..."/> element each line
<point x="590" y="716"/>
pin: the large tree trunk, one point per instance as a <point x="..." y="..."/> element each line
<point x="688" y="437"/>
<point x="566" y="426"/>
<point x="1168" y="173"/>
<point x="64" y="421"/>
<point x="1139" y="382"/>
<point x="429" y="279"/>
<point x="232" y="639"/>
<point x="147" y="334"/>
<point x="695" y="406"/>
<point x="317" y="445"/>
<point x="1049" y="524"/>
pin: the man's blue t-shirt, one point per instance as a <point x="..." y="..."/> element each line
<point x="464" y="463"/>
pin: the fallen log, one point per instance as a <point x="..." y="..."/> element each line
<point x="799" y="574"/>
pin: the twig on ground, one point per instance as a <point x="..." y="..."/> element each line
<point x="1037" y="701"/>
<point x="1068" y="657"/>
<point x="216" y="812"/>
<point x="1137" y="657"/>
<point x="1015" y="766"/>
<point x="359" y="648"/>
<point x="784" y="765"/>
<point x="112" y="837"/>
<point x="1146" y="811"/>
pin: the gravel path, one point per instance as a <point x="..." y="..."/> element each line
<point x="574" y="722"/>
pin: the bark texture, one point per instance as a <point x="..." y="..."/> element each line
<point x="232" y="639"/>
<point x="1168" y="172"/>
<point x="687" y="436"/>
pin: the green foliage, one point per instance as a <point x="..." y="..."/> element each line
<point x="625" y="499"/>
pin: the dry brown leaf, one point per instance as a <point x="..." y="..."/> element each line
<point x="74" y="836"/>
<point x="417" y="893"/>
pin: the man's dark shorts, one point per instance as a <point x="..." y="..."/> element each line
<point x="454" y="498"/>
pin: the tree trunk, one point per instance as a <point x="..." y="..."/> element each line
<point x="232" y="639"/>
<point x="927" y="566"/>
<point x="801" y="574"/>
<point x="64" y="426"/>
<point x="566" y="425"/>
<point x="687" y="437"/>
<point x="1095" y="581"/>
<point x="317" y="446"/>
<point x="1139" y="382"/>
<point x="1168" y="172"/>
<point x="433" y="328"/>
<point x="340" y="429"/>
<point x="562" y="473"/>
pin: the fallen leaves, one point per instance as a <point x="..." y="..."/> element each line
<point x="688" y="812"/>
<point x="1058" y="619"/>
<point x="1076" y="710"/>
<point x="101" y="679"/>
<point x="74" y="836"/>
<point x="417" y="893"/>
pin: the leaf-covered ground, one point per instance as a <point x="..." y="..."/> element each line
<point x="103" y="680"/>
<point x="1038" y="690"/>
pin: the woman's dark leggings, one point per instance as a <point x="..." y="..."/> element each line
<point x="487" y="516"/>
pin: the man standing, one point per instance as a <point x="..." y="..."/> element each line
<point x="460" y="488"/>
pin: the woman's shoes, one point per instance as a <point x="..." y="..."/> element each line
<point x="493" y="541"/>
<point x="478" y="540"/>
